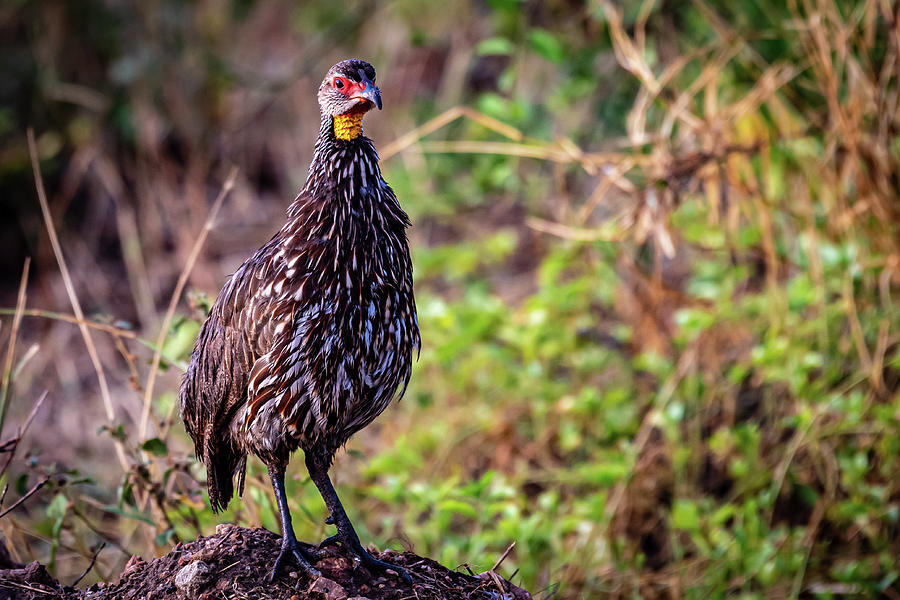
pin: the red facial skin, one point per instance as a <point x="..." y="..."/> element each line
<point x="354" y="91"/>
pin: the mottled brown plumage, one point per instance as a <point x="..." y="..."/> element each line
<point x="312" y="337"/>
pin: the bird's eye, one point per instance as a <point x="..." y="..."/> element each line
<point x="339" y="82"/>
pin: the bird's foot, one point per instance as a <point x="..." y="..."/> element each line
<point x="368" y="561"/>
<point x="374" y="565"/>
<point x="363" y="555"/>
<point x="303" y="557"/>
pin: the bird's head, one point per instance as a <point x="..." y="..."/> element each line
<point x="347" y="93"/>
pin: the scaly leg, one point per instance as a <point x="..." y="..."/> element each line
<point x="346" y="534"/>
<point x="289" y="544"/>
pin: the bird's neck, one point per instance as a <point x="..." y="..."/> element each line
<point x="349" y="126"/>
<point x="345" y="197"/>
<point x="340" y="168"/>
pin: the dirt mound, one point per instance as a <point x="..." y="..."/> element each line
<point x="31" y="581"/>
<point x="235" y="563"/>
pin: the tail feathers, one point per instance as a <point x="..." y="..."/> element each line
<point x="212" y="391"/>
<point x="222" y="464"/>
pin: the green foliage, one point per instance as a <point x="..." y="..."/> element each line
<point x="155" y="446"/>
<point x="56" y="513"/>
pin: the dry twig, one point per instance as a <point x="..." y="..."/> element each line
<point x="11" y="347"/>
<point x="176" y="296"/>
<point x="91" y="565"/>
<point x="25" y="496"/>
<point x="73" y="297"/>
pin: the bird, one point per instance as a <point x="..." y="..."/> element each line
<point x="313" y="336"/>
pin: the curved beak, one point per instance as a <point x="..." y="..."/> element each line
<point x="369" y="90"/>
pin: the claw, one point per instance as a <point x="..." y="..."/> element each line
<point x="372" y="563"/>
<point x="364" y="557"/>
<point x="302" y="557"/>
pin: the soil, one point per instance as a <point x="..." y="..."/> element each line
<point x="235" y="563"/>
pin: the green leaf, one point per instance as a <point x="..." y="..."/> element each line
<point x="685" y="515"/>
<point x="458" y="507"/>
<point x="604" y="473"/>
<point x="56" y="510"/>
<point x="547" y="45"/>
<point x="155" y="446"/>
<point x="22" y="484"/>
<point x="117" y="433"/>
<point x="129" y="515"/>
<point x="494" y="46"/>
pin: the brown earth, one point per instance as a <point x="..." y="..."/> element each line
<point x="235" y="563"/>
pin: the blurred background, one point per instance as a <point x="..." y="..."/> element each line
<point x="656" y="256"/>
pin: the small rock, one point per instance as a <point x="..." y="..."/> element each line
<point x="204" y="555"/>
<point x="133" y="563"/>
<point x="333" y="563"/>
<point x="191" y="577"/>
<point x="223" y="527"/>
<point x="327" y="589"/>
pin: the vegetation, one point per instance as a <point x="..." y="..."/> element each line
<point x="656" y="248"/>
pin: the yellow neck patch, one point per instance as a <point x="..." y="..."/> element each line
<point x="349" y="126"/>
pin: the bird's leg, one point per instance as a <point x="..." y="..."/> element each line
<point x="289" y="544"/>
<point x="346" y="534"/>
